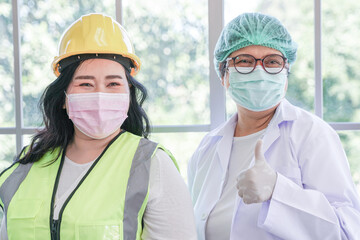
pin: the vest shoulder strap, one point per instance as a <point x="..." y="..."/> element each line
<point x="12" y="183"/>
<point x="5" y="174"/>
<point x="170" y="155"/>
<point x="137" y="187"/>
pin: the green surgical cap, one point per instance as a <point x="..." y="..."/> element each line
<point x="254" y="29"/>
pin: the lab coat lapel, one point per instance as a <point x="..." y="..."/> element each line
<point x="224" y="147"/>
<point x="282" y="113"/>
<point x="270" y="137"/>
<point x="217" y="173"/>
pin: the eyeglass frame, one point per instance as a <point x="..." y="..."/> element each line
<point x="224" y="64"/>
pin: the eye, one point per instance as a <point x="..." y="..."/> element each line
<point x="85" y="85"/>
<point x="273" y="61"/>
<point x="244" y="61"/>
<point x="113" y="84"/>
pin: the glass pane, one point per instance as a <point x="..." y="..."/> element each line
<point x="7" y="151"/>
<point x="44" y="22"/>
<point x="341" y="70"/>
<point x="27" y="139"/>
<point x="297" y="17"/>
<point x="181" y="145"/>
<point x="174" y="55"/>
<point x="7" y="116"/>
<point x="351" y="142"/>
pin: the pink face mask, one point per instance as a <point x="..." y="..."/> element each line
<point x="98" y="114"/>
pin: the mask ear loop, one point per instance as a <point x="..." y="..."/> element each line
<point x="226" y="74"/>
<point x="66" y="96"/>
<point x="287" y="67"/>
<point x="226" y="77"/>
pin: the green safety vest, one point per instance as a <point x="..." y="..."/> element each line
<point x="108" y="203"/>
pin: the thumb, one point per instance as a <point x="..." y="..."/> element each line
<point x="259" y="156"/>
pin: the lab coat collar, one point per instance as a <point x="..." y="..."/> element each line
<point x="284" y="112"/>
<point x="226" y="128"/>
<point x="225" y="134"/>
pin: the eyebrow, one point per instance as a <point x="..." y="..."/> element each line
<point x="113" y="76"/>
<point x="108" y="77"/>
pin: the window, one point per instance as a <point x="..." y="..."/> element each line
<point x="186" y="99"/>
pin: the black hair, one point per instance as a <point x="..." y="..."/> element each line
<point x="58" y="129"/>
<point x="137" y="121"/>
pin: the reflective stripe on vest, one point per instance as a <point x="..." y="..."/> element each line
<point x="136" y="193"/>
<point x="11" y="185"/>
<point x="133" y="205"/>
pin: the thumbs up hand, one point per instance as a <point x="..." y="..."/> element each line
<point x="257" y="184"/>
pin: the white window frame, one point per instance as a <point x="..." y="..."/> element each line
<point x="217" y="92"/>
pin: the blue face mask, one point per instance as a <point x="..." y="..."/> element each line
<point x="257" y="91"/>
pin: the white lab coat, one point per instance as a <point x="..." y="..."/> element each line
<point x="314" y="195"/>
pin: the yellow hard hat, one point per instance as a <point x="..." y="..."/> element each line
<point x="95" y="34"/>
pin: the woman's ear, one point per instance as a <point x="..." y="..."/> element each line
<point x="225" y="80"/>
<point x="64" y="105"/>
<point x="224" y="73"/>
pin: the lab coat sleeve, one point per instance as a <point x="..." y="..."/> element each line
<point x="327" y="205"/>
<point x="192" y="170"/>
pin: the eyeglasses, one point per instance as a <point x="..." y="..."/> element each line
<point x="245" y="63"/>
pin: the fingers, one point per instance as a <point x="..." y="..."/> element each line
<point x="241" y="192"/>
<point x="250" y="183"/>
<point x="247" y="197"/>
<point x="240" y="185"/>
<point x="259" y="156"/>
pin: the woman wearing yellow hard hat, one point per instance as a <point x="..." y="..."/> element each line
<point x="91" y="173"/>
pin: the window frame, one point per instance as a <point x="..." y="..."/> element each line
<point x="217" y="92"/>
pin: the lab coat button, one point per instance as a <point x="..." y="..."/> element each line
<point x="203" y="216"/>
